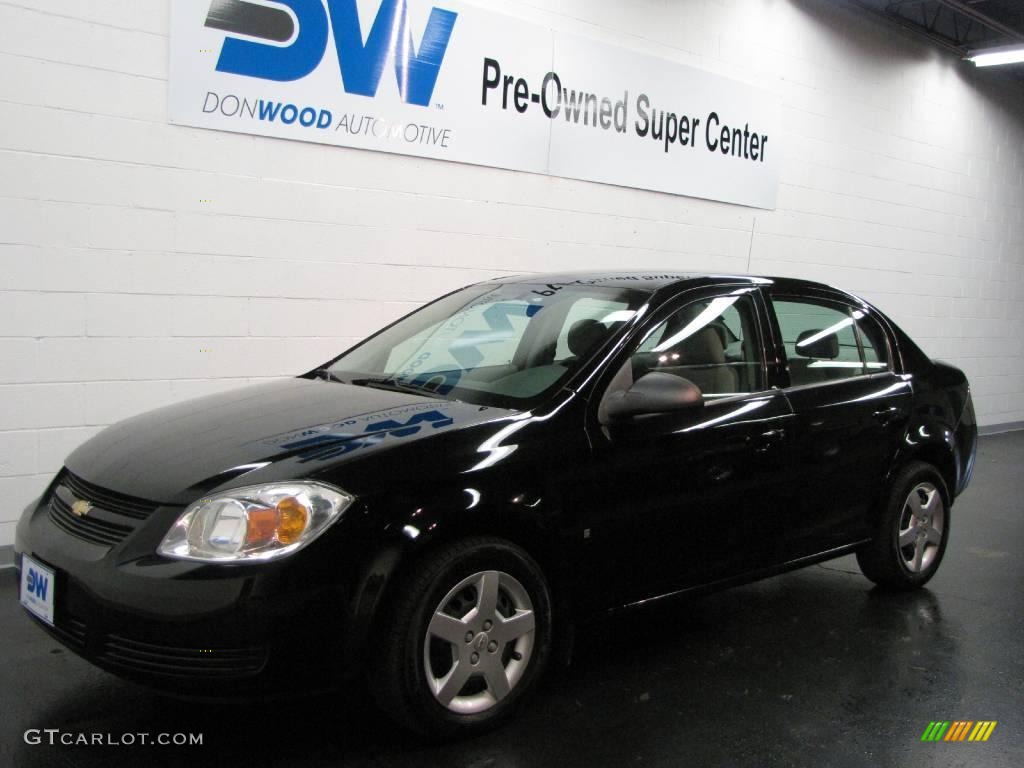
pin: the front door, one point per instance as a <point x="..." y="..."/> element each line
<point x="686" y="498"/>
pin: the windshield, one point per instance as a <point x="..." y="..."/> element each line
<point x="491" y="344"/>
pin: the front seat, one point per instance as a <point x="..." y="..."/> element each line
<point x="702" y="361"/>
<point x="584" y="335"/>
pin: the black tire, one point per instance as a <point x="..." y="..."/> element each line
<point x="884" y="560"/>
<point x="399" y="670"/>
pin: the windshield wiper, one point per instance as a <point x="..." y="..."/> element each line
<point x="390" y="384"/>
<point x="325" y="375"/>
<point x="393" y="385"/>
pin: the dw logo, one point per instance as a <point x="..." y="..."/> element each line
<point x="38" y="584"/>
<point x="329" y="446"/>
<point x="291" y="54"/>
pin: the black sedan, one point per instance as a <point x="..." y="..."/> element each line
<point x="437" y="507"/>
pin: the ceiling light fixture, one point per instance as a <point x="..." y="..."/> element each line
<point x="989" y="57"/>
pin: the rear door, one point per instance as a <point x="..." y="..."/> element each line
<point x="850" y="407"/>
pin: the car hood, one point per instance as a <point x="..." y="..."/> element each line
<point x="280" y="430"/>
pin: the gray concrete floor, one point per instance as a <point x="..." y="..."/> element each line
<point x="813" y="668"/>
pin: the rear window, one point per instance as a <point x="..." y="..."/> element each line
<point x="829" y="341"/>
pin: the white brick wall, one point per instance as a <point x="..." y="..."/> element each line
<point x="902" y="181"/>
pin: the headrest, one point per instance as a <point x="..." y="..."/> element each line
<point x="702" y="348"/>
<point x="826" y="348"/>
<point x="584" y="335"/>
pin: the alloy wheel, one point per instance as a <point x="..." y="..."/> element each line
<point x="479" y="642"/>
<point x="922" y="523"/>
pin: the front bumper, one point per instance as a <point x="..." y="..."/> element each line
<point x="190" y="627"/>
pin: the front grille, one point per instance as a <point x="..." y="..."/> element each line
<point x="118" y="503"/>
<point x="172" y="661"/>
<point x="166" y="661"/>
<point x="89" y="529"/>
<point x="71" y="631"/>
<point x="110" y="519"/>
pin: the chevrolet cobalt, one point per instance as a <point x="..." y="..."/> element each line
<point x="435" y="508"/>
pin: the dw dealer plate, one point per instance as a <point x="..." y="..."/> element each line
<point x="37" y="587"/>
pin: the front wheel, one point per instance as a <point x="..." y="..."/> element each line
<point x="467" y="637"/>
<point x="912" y="531"/>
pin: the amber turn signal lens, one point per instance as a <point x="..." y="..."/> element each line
<point x="292" y="519"/>
<point x="284" y="523"/>
<point x="261" y="526"/>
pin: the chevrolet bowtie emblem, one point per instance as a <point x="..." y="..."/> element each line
<point x="80" y="508"/>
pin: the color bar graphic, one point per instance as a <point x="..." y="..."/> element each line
<point x="982" y="730"/>
<point x="958" y="730"/>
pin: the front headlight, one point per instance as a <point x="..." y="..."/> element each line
<point x="258" y="522"/>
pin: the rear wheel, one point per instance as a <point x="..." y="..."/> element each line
<point x="467" y="637"/>
<point x="912" y="531"/>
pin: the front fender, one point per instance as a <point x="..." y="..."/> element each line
<point x="518" y="512"/>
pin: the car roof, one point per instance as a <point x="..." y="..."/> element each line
<point x="653" y="280"/>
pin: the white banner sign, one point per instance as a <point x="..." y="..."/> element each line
<point x="454" y="82"/>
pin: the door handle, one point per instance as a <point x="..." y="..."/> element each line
<point x="887" y="416"/>
<point x="766" y="440"/>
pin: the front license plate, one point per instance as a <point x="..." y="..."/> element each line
<point x="37" y="587"/>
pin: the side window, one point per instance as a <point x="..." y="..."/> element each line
<point x="588" y="317"/>
<point x="712" y="342"/>
<point x="828" y="342"/>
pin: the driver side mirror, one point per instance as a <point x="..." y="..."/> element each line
<point x="652" y="393"/>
